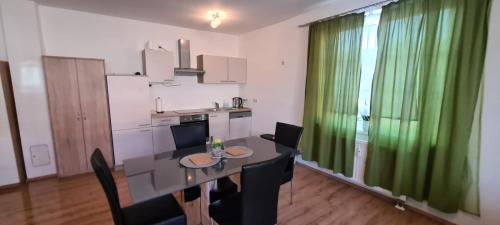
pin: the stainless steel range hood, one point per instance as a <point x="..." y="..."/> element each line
<point x="184" y="68"/>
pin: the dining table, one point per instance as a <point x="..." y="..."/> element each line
<point x="152" y="176"/>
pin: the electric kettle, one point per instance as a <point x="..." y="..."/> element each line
<point x="237" y="102"/>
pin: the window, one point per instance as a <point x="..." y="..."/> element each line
<point x="368" y="61"/>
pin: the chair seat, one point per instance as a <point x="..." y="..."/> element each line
<point x="226" y="211"/>
<point x="159" y="211"/>
<point x="224" y="188"/>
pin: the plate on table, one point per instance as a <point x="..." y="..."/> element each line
<point x="199" y="160"/>
<point x="237" y="152"/>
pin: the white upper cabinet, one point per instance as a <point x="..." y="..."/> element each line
<point x="237" y="70"/>
<point x="222" y="70"/>
<point x="215" y="68"/>
<point x="158" y="65"/>
<point x="129" y="102"/>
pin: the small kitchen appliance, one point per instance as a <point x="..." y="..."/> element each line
<point x="237" y="102"/>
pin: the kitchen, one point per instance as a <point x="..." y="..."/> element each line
<point x="134" y="128"/>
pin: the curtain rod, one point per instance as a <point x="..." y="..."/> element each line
<point x="382" y="3"/>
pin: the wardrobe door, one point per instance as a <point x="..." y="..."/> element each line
<point x="94" y="104"/>
<point x="64" y="105"/>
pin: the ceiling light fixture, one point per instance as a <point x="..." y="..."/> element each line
<point x="215" y="20"/>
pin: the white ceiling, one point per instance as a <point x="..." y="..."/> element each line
<point x="241" y="15"/>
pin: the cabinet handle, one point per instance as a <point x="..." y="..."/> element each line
<point x="144" y="125"/>
<point x="167" y="120"/>
<point x="145" y="130"/>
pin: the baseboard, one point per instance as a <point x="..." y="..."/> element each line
<point x="41" y="178"/>
<point x="379" y="195"/>
<point x="9" y="186"/>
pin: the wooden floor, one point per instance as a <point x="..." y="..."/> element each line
<point x="318" y="199"/>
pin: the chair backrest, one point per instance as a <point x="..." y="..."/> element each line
<point x="189" y="135"/>
<point x="260" y="185"/>
<point x="287" y="134"/>
<point x="107" y="181"/>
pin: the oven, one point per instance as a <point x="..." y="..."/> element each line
<point x="198" y="118"/>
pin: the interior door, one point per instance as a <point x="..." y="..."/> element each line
<point x="94" y="107"/>
<point x="64" y="106"/>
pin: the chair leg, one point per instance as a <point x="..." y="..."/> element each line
<point x="291" y="192"/>
<point x="201" y="214"/>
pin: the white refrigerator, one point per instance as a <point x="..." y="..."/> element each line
<point x="130" y="112"/>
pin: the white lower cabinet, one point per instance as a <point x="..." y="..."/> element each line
<point x="132" y="143"/>
<point x="218" y="124"/>
<point x="240" y="125"/>
<point x="163" y="141"/>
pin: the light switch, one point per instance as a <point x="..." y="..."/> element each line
<point x="39" y="155"/>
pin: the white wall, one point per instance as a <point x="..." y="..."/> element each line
<point x="8" y="166"/>
<point x="120" y="42"/>
<point x="279" y="93"/>
<point x="22" y="39"/>
<point x="3" y="49"/>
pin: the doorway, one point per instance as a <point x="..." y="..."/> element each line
<point x="10" y="104"/>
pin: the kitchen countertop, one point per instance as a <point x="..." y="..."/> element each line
<point x="195" y="112"/>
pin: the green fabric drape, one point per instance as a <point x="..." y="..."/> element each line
<point x="332" y="89"/>
<point x="426" y="85"/>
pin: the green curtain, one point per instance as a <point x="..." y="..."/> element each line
<point x="332" y="89"/>
<point x="425" y="92"/>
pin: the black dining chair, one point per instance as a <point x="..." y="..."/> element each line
<point x="162" y="210"/>
<point x="288" y="135"/>
<point x="187" y="136"/>
<point x="191" y="135"/>
<point x="257" y="203"/>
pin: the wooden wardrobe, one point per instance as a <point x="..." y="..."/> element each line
<point x="79" y="113"/>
